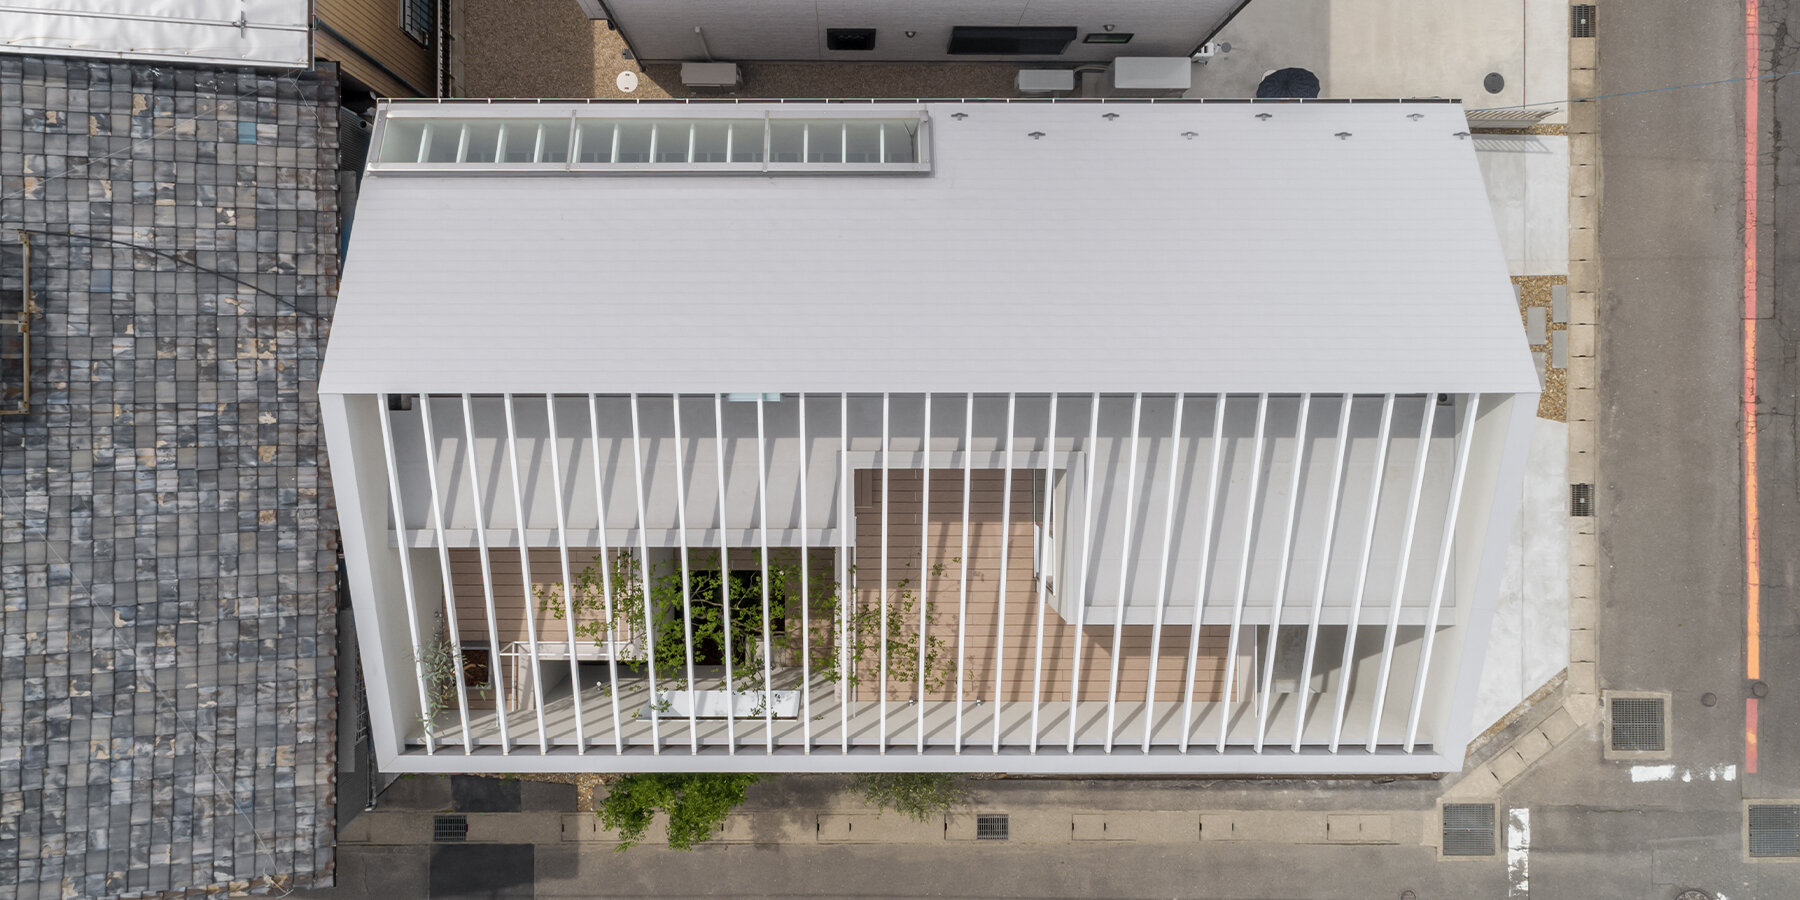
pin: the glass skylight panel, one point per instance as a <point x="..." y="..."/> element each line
<point x="764" y="144"/>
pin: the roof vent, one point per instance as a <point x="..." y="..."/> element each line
<point x="1468" y="829"/>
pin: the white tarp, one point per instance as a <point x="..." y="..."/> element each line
<point x="272" y="33"/>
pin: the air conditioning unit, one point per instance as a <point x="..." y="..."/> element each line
<point x="711" y="75"/>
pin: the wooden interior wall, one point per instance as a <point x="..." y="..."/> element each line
<point x="1019" y="646"/>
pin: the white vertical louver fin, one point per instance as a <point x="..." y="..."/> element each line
<point x="437" y="527"/>
<point x="406" y="576"/>
<point x="1406" y="541"/>
<point x="607" y="587"/>
<point x="1243" y="591"/>
<point x="1162" y="570"/>
<point x="1125" y="561"/>
<point x="568" y="574"/>
<point x="1304" y="693"/>
<point x="1266" y="696"/>
<point x="1362" y="570"/>
<point x="1213" y="490"/>
<point x="519" y="523"/>
<point x="1464" y="437"/>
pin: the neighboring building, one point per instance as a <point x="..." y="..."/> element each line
<point x="266" y="34"/>
<point x="167" y="560"/>
<point x="387" y="48"/>
<point x="1033" y="387"/>
<point x="1067" y="31"/>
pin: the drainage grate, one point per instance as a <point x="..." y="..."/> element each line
<point x="1637" y="725"/>
<point x="1581" y="20"/>
<point x="992" y="828"/>
<point x="1581" y="499"/>
<point x="1468" y="829"/>
<point x="449" y="828"/>
<point x="1774" y="830"/>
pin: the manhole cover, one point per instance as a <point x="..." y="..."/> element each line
<point x="1692" y="894"/>
<point x="1494" y="82"/>
<point x="627" y="81"/>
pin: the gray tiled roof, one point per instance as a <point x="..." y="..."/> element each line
<point x="166" y="552"/>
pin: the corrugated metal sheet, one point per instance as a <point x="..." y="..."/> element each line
<point x="233" y="32"/>
<point x="1183" y="246"/>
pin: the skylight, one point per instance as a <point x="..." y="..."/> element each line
<point x="646" y="144"/>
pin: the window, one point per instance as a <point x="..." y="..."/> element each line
<point x="418" y="18"/>
<point x="1043" y="531"/>
<point x="1009" y="40"/>
<point x="849" y="38"/>
<point x="477" y="667"/>
<point x="1108" y="37"/>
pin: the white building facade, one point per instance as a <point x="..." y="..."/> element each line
<point x="1073" y="437"/>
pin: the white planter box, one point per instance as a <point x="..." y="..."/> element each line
<point x="717" y="704"/>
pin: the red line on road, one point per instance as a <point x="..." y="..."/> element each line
<point x="1750" y="735"/>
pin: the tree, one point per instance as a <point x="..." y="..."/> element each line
<point x="919" y="796"/>
<point x="696" y="803"/>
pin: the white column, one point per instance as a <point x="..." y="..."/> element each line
<point x="806" y="686"/>
<point x="568" y="575"/>
<point x="1304" y="694"/>
<point x="1005" y="544"/>
<point x="1266" y="695"/>
<point x="846" y="590"/>
<point x="606" y="584"/>
<point x="537" y="680"/>
<point x="1162" y="571"/>
<point x="643" y="530"/>
<point x="437" y="526"/>
<point x="1465" y="435"/>
<point x="1125" y="556"/>
<point x="687" y="590"/>
<point x="881" y="642"/>
<point x="1362" y="569"/>
<point x="1412" y="521"/>
<point x="473" y="464"/>
<point x="1046" y="566"/>
<point x="1237" y="606"/>
<point x="762" y="533"/>
<point x="406" y="579"/>
<point x="924" y="569"/>
<point x="1087" y="551"/>
<point x="962" y="588"/>
<point x="1212" y="504"/>
<point x="724" y="583"/>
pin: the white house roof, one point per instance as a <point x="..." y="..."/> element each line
<point x="1052" y="246"/>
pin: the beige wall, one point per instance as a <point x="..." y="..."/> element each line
<point x="1019" y="643"/>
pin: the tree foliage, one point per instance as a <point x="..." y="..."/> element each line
<point x="696" y="803"/>
<point x="919" y="796"/>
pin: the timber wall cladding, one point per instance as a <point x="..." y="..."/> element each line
<point x="981" y="634"/>
<point x="374" y="25"/>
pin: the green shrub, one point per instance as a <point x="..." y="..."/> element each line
<point x="696" y="803"/>
<point x="919" y="796"/>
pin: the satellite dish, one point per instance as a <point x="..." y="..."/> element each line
<point x="1288" y="84"/>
